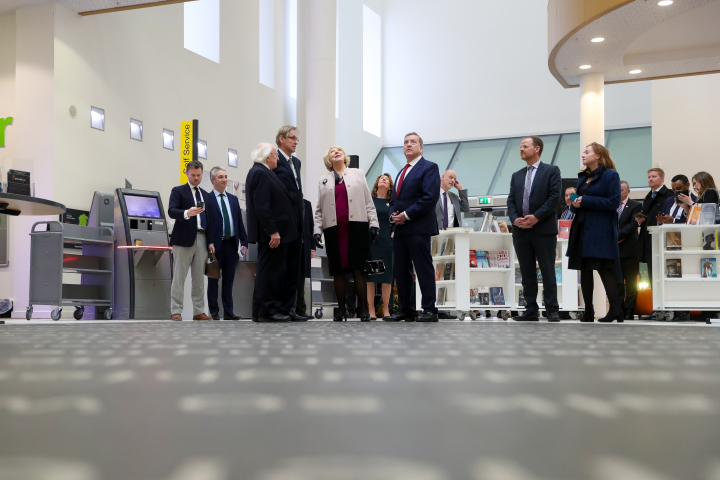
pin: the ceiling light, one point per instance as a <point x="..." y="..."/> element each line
<point x="665" y="3"/>
<point x="633" y="72"/>
<point x="136" y="129"/>
<point x="584" y="67"/>
<point x="97" y="118"/>
<point x="597" y="40"/>
<point x="168" y="139"/>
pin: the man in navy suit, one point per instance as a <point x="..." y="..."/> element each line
<point x="533" y="198"/>
<point x="228" y="234"/>
<point x="415" y="194"/>
<point x="190" y="242"/>
<point x="288" y="171"/>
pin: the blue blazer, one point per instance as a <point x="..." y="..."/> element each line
<point x="544" y="197"/>
<point x="600" y="203"/>
<point x="215" y="218"/>
<point x="418" y="196"/>
<point x="669" y="204"/>
<point x="185" y="231"/>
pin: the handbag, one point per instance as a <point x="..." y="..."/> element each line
<point x="373" y="267"/>
<point x="212" y="267"/>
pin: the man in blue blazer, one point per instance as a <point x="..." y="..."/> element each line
<point x="415" y="194"/>
<point x="533" y="198"/>
<point x="190" y="240"/>
<point x="228" y="234"/>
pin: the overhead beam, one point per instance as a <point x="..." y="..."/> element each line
<point x="134" y="7"/>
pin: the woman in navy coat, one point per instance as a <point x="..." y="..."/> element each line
<point x="593" y="243"/>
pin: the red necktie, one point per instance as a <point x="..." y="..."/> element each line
<point x="407" y="165"/>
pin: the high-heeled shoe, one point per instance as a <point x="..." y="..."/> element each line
<point x="340" y="318"/>
<point x="610" y="317"/>
<point x="588" y="315"/>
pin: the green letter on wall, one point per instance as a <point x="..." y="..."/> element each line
<point x="3" y="123"/>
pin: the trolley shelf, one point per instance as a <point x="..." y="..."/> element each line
<point x="87" y="241"/>
<point x="85" y="270"/>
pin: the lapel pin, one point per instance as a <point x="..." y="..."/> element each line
<point x="325" y="182"/>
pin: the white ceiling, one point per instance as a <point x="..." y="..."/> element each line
<point x="9" y="6"/>
<point x="682" y="38"/>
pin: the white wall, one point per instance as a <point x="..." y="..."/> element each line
<point x="464" y="69"/>
<point x="7" y="109"/>
<point x="686" y="122"/>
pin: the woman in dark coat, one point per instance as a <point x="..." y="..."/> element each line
<point x="345" y="214"/>
<point x="593" y="243"/>
<point x="382" y="249"/>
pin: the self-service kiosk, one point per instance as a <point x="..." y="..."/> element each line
<point x="143" y="269"/>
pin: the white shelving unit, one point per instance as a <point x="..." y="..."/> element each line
<point x="458" y="290"/>
<point x="690" y="292"/>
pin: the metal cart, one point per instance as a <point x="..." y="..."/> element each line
<point x="322" y="290"/>
<point x="48" y="262"/>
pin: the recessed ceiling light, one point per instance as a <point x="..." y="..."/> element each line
<point x="584" y="67"/>
<point x="665" y="3"/>
<point x="633" y="72"/>
<point x="597" y="40"/>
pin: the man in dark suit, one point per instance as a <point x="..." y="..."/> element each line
<point x="415" y="194"/>
<point x="652" y="206"/>
<point x="628" y="246"/>
<point x="308" y="253"/>
<point x="190" y="240"/>
<point x="288" y="171"/>
<point x="567" y="213"/>
<point x="271" y="223"/>
<point x="228" y="234"/>
<point x="534" y="194"/>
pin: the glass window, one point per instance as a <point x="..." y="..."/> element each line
<point x="440" y="153"/>
<point x="631" y="150"/>
<point x="267" y="43"/>
<point x="512" y="162"/>
<point x="568" y="155"/>
<point x="476" y="163"/>
<point x="390" y="160"/>
<point x="202" y="28"/>
<point x="372" y="71"/>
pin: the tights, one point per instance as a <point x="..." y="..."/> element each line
<point x="611" y="289"/>
<point x="360" y="288"/>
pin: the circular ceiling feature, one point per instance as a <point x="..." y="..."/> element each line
<point x="635" y="72"/>
<point x="597" y="40"/>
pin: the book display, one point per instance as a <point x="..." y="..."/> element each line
<point x="708" y="268"/>
<point x="708" y="212"/>
<point x="709" y="240"/>
<point x="673" y="241"/>
<point x="673" y="268"/>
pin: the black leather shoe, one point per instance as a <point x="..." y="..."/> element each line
<point x="527" y="317"/>
<point x="339" y="319"/>
<point x="304" y="314"/>
<point x="446" y="316"/>
<point x="277" y="318"/>
<point x="229" y="316"/>
<point x="399" y="317"/>
<point x="553" y="317"/>
<point x="588" y="315"/>
<point x="610" y="318"/>
<point x="428" y="317"/>
<point x="215" y="316"/>
<point x="294" y="317"/>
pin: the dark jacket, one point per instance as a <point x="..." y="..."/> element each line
<point x="269" y="207"/>
<point x="628" y="229"/>
<point x="651" y="208"/>
<point x="216" y="219"/>
<point x="185" y="231"/>
<point x="308" y="237"/>
<point x="544" y="197"/>
<point x="419" y="194"/>
<point x="285" y="174"/>
<point x="670" y="202"/>
<point x="600" y="204"/>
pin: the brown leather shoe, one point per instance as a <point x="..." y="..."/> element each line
<point x="176" y="316"/>
<point x="202" y="316"/>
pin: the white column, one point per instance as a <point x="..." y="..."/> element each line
<point x="319" y="87"/>
<point x="592" y="129"/>
<point x="34" y="129"/>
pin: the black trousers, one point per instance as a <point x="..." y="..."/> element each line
<point x="627" y="291"/>
<point x="228" y="258"/>
<point x="300" y="304"/>
<point x="273" y="292"/>
<point x="414" y="250"/>
<point x="291" y="273"/>
<point x="529" y="247"/>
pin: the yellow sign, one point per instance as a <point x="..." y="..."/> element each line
<point x="188" y="147"/>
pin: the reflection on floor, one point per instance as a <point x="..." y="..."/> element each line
<point x="329" y="401"/>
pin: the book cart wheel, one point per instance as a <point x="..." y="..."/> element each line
<point x="28" y="312"/>
<point x="504" y="314"/>
<point x="79" y="312"/>
<point x="318" y="313"/>
<point x="56" y="314"/>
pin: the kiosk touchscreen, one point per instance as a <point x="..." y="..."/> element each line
<point x="143" y="271"/>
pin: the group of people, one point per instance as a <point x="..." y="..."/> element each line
<point x="394" y="223"/>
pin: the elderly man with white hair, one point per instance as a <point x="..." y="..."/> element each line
<point x="272" y="224"/>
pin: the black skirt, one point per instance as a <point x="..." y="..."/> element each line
<point x="358" y="247"/>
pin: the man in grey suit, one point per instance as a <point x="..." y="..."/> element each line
<point x="448" y="211"/>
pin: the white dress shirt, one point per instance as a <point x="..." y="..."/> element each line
<point x="407" y="172"/>
<point x="451" y="209"/>
<point x="229" y="212"/>
<point x="192" y="192"/>
<point x="292" y="167"/>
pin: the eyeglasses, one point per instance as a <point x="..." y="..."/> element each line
<point x="294" y="139"/>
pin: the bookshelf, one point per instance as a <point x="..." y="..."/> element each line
<point x="690" y="291"/>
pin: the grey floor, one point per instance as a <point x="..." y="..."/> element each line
<point x="326" y="401"/>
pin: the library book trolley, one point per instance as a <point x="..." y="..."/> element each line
<point x="48" y="262"/>
<point x="685" y="278"/>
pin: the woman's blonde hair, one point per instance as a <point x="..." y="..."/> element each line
<point x="605" y="158"/>
<point x="706" y="182"/>
<point x="328" y="162"/>
<point x="377" y="182"/>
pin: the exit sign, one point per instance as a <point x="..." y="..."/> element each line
<point x="484" y="200"/>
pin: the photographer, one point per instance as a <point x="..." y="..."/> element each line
<point x="673" y="211"/>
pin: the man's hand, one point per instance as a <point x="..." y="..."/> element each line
<point x="639" y="220"/>
<point x="685" y="199"/>
<point x="520" y="222"/>
<point x="211" y="248"/>
<point x="399" y="218"/>
<point x="530" y="220"/>
<point x="275" y="240"/>
<point x="661" y="219"/>
<point x="458" y="185"/>
<point x="195" y="211"/>
<point x="243" y="250"/>
<point x="312" y="253"/>
<point x="577" y="202"/>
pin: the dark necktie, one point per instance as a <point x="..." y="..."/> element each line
<point x="226" y="218"/>
<point x="407" y="165"/>
<point x="445" y="212"/>
<point x="198" y="198"/>
<point x="654" y="194"/>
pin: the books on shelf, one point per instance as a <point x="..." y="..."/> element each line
<point x="521" y="299"/>
<point x="708" y="268"/>
<point x="473" y="259"/>
<point x="474" y="299"/>
<point x="483" y="295"/>
<point x="489" y="259"/>
<point x="503" y="259"/>
<point x="673" y="240"/>
<point x="564" y="228"/>
<point x="439" y="268"/>
<point x="443" y="247"/>
<point x="448" y="270"/>
<point x="708" y="212"/>
<point x="673" y="268"/>
<point x="434" y="247"/>
<point x="441" y="296"/>
<point x="709" y="240"/>
<point x="558" y="274"/>
<point x="694" y="215"/>
<point x="450" y="249"/>
<point x="482" y="259"/>
<point x="492" y="259"/>
<point x="497" y="297"/>
<point x="518" y="275"/>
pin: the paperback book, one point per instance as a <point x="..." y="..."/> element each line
<point x="450" y="247"/>
<point x="709" y="240"/>
<point x="441" y="296"/>
<point x="474" y="299"/>
<point x="503" y="259"/>
<point x="439" y="271"/>
<point x="448" y="271"/>
<point x="708" y="212"/>
<point x="443" y="247"/>
<point x="497" y="296"/>
<point x="482" y="259"/>
<point x="492" y="259"/>
<point x="538" y="274"/>
<point x="434" y="247"/>
<point x="564" y="228"/>
<point x="521" y="299"/>
<point x="518" y="275"/>
<point x="708" y="268"/>
<point x="694" y="215"/>
<point x="558" y="274"/>
<point x="673" y="241"/>
<point x="473" y="259"/>
<point x="483" y="296"/>
<point x="673" y="268"/>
